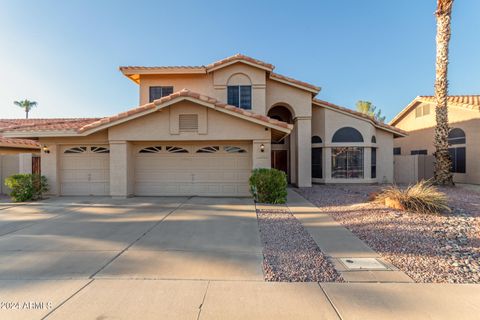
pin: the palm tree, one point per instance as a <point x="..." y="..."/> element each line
<point x="27" y="105"/>
<point x="442" y="175"/>
<point x="366" y="107"/>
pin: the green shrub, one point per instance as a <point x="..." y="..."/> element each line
<point x="422" y="197"/>
<point x="268" y="185"/>
<point x="26" y="187"/>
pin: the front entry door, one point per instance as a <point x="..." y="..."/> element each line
<point x="280" y="160"/>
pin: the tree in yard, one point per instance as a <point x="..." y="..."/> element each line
<point x="27" y="105"/>
<point x="368" y="108"/>
<point x="442" y="175"/>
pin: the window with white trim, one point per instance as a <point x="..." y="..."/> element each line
<point x="240" y="96"/>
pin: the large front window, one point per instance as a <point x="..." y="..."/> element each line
<point x="240" y="96"/>
<point x="347" y="162"/>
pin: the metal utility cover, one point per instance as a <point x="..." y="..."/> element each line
<point x="363" y="264"/>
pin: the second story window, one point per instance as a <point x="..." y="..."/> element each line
<point x="240" y="96"/>
<point x="159" y="92"/>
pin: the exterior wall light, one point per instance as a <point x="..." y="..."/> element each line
<point x="45" y="149"/>
<point x="262" y="148"/>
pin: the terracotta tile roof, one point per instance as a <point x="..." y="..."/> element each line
<point x="465" y="101"/>
<point x="362" y="115"/>
<point x="18" y="143"/>
<point x="298" y="82"/>
<point x="240" y="57"/>
<point x="54" y="124"/>
<point x="183" y="93"/>
<point x="159" y="67"/>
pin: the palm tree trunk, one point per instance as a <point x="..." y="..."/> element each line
<point x="442" y="175"/>
<point x="26" y="114"/>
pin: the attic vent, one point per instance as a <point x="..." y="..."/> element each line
<point x="188" y="123"/>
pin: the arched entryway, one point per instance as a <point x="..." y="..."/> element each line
<point x="281" y="154"/>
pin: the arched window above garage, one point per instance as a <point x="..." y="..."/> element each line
<point x="347" y="134"/>
<point x="316" y="139"/>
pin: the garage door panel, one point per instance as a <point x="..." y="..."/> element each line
<point x="84" y="173"/>
<point x="206" y="174"/>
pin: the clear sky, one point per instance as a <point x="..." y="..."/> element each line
<point x="65" y="54"/>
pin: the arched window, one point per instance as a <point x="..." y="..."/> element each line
<point x="316" y="139"/>
<point x="456" y="136"/>
<point x="374" y="139"/>
<point x="347" y="134"/>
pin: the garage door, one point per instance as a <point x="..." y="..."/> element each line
<point x="204" y="170"/>
<point x="84" y="170"/>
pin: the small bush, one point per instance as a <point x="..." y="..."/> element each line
<point x="26" y="187"/>
<point x="268" y="185"/>
<point x="422" y="197"/>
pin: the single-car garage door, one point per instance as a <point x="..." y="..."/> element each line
<point x="84" y="170"/>
<point x="203" y="170"/>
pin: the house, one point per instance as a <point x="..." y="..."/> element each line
<point x="418" y="119"/>
<point x="17" y="155"/>
<point x="200" y="130"/>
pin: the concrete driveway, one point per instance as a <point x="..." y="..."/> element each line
<point x="83" y="239"/>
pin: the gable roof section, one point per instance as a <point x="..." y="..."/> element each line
<point x="18" y="143"/>
<point x="178" y="96"/>
<point x="134" y="72"/>
<point x="471" y="102"/>
<point x="380" y="125"/>
<point x="85" y="127"/>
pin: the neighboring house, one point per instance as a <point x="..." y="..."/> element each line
<point x="17" y="156"/>
<point x="200" y="130"/>
<point x="418" y="119"/>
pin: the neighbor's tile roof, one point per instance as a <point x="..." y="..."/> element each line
<point x="182" y="93"/>
<point x="360" y="114"/>
<point x="465" y="101"/>
<point x="54" y="124"/>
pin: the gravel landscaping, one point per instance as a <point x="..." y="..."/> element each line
<point x="289" y="252"/>
<point x="429" y="248"/>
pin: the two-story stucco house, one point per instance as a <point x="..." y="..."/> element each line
<point x="418" y="119"/>
<point x="200" y="130"/>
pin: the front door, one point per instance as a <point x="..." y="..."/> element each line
<point x="280" y="160"/>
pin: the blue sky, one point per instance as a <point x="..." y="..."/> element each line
<point x="65" y="54"/>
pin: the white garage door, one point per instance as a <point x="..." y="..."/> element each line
<point x="84" y="170"/>
<point x="203" y="170"/>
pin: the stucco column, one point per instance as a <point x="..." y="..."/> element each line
<point x="25" y="163"/>
<point x="50" y="167"/>
<point x="367" y="162"/>
<point x="261" y="159"/>
<point x="304" y="151"/>
<point x="121" y="169"/>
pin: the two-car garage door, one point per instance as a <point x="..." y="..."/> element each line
<point x="161" y="169"/>
<point x="203" y="170"/>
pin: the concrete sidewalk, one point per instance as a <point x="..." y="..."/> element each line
<point x="190" y="299"/>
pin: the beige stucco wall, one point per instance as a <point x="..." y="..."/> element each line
<point x="156" y="126"/>
<point x="326" y="122"/>
<point x="201" y="83"/>
<point x="421" y="136"/>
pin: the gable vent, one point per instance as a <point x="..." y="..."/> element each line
<point x="188" y="123"/>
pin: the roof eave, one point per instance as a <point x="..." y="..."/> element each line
<point x="299" y="86"/>
<point x="397" y="133"/>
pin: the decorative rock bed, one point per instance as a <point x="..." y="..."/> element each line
<point x="429" y="248"/>
<point x="289" y="252"/>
